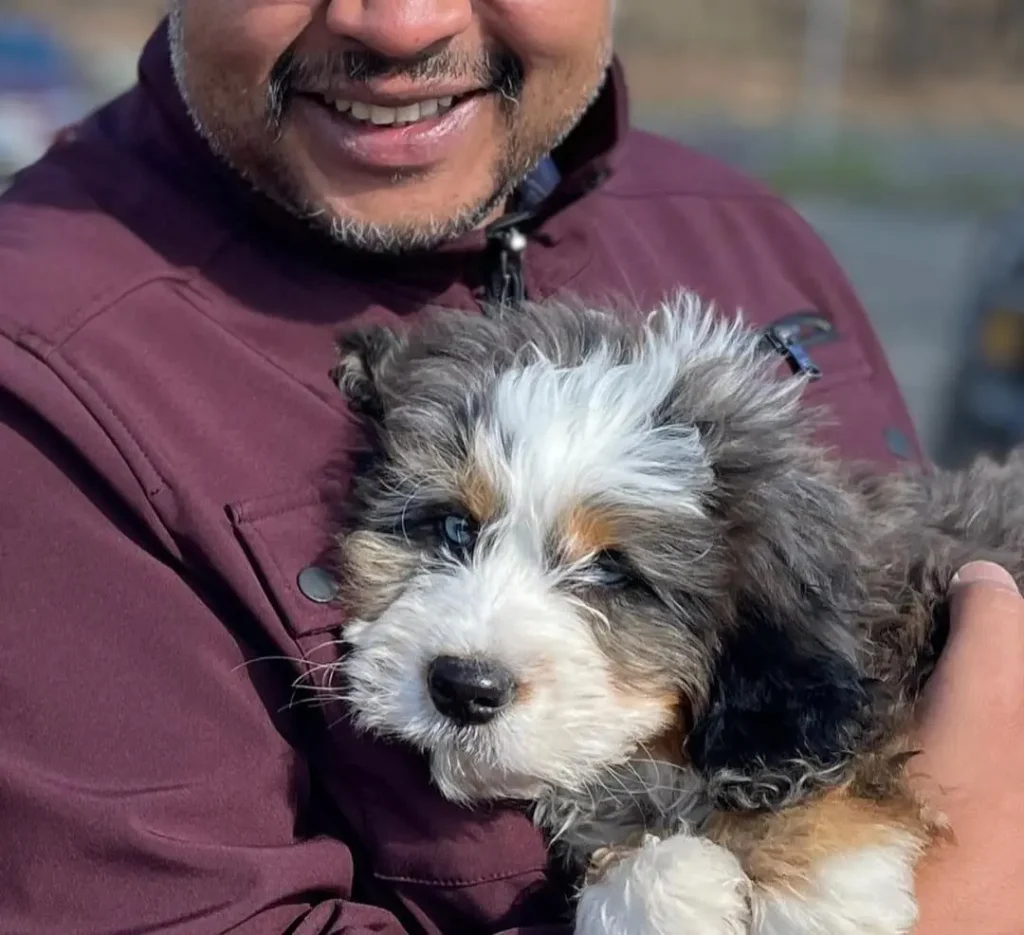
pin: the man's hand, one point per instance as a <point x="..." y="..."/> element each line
<point x="971" y="730"/>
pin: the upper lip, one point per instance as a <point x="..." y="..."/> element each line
<point x="382" y="99"/>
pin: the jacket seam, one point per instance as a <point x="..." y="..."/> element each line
<point x="26" y="336"/>
<point x="52" y="351"/>
<point x="43" y="349"/>
<point x="300" y="504"/>
<point x="282" y="601"/>
<point x="767" y="197"/>
<point x="459" y="884"/>
<point x="253" y="350"/>
<point x="85" y="314"/>
<point x="303" y="498"/>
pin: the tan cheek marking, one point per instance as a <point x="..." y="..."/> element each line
<point x="541" y="674"/>
<point x="478" y="494"/>
<point x="373" y="573"/>
<point x="526" y="689"/>
<point x="585" y="530"/>
<point x="781" y="849"/>
<point x="670" y="747"/>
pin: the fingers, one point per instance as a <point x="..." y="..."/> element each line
<point x="983" y="662"/>
<point x="985" y="606"/>
<point x="971" y="734"/>
<point x="987" y="573"/>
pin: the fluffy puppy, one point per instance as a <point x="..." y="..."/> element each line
<point x="597" y="564"/>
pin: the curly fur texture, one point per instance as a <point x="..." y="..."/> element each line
<point x="694" y="638"/>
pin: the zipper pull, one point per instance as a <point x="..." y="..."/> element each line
<point x="506" y="245"/>
<point x="792" y="352"/>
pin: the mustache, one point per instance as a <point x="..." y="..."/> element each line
<point x="502" y="72"/>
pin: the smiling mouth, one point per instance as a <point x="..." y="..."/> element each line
<point x="403" y="115"/>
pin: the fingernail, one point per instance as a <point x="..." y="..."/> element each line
<point x="984" y="573"/>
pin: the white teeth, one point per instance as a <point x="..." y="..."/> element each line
<point x="407" y="114"/>
<point x="381" y="116"/>
<point x="388" y="116"/>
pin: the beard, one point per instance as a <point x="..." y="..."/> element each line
<point x="255" y="154"/>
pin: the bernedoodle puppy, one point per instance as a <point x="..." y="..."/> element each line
<point x="597" y="564"/>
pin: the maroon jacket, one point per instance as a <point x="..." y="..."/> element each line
<point x="170" y="447"/>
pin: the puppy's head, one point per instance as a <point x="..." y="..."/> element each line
<point x="582" y="536"/>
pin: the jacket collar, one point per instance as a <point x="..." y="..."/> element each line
<point x="589" y="155"/>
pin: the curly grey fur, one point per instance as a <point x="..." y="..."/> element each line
<point x="836" y="572"/>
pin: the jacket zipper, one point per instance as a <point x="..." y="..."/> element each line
<point x="508" y="237"/>
<point x="506" y="286"/>
<point x="792" y="352"/>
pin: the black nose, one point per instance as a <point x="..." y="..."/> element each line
<point x="469" y="691"/>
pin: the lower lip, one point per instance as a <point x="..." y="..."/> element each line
<point x="412" y="146"/>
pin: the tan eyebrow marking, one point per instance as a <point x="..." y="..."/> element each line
<point x="586" y="530"/>
<point x="478" y="494"/>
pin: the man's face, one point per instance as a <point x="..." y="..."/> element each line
<point x="390" y="124"/>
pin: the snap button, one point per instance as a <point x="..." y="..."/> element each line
<point x="317" y="584"/>
<point x="899" y="443"/>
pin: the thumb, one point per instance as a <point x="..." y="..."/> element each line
<point x="987" y="574"/>
<point x="986" y="625"/>
<point x="983" y="596"/>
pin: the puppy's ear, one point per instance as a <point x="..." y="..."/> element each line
<point x="783" y="719"/>
<point x="363" y="357"/>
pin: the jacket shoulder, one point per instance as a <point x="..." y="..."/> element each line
<point x="75" y="239"/>
<point x="653" y="165"/>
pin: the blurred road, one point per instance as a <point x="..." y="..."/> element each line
<point x="912" y="272"/>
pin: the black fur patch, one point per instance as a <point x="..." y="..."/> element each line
<point x="782" y="719"/>
<point x="361" y="353"/>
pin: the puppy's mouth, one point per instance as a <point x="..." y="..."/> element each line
<point x="463" y="776"/>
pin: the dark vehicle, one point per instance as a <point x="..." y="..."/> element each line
<point x="41" y="91"/>
<point x="986" y="411"/>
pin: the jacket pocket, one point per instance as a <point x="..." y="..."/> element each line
<point x="863" y="414"/>
<point x="439" y="858"/>
<point x="835" y="350"/>
<point x="289" y="540"/>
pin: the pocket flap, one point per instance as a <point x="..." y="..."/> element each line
<point x="289" y="539"/>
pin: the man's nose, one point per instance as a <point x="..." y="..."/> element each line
<point x="400" y="29"/>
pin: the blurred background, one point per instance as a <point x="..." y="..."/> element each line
<point x="895" y="126"/>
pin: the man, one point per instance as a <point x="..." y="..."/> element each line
<point x="172" y="277"/>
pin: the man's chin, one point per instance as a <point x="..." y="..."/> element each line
<point x="400" y="231"/>
<point x="393" y="212"/>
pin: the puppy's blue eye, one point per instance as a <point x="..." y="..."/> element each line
<point x="610" y="570"/>
<point x="458" y="532"/>
<point x="610" y="578"/>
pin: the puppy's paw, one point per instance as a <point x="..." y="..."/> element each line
<point x="673" y="886"/>
<point x="865" y="892"/>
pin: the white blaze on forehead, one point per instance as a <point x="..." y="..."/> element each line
<point x="557" y="435"/>
<point x="554" y="436"/>
<point x="585" y="431"/>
